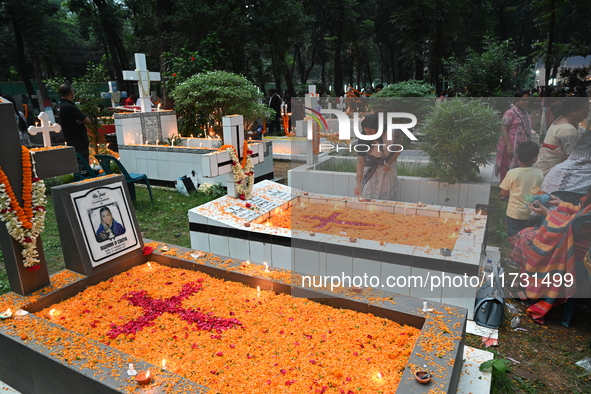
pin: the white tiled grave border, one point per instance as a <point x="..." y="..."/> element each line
<point x="410" y="189"/>
<point x="167" y="163"/>
<point x="213" y="230"/>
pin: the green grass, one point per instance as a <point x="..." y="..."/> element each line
<point x="402" y="168"/>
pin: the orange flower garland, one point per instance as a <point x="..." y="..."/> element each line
<point x="24" y="223"/>
<point x="243" y="174"/>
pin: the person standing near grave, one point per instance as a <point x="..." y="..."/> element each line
<point x="515" y="129"/>
<point x="73" y="121"/>
<point x="376" y="167"/>
<point x="21" y="123"/>
<point x="275" y="105"/>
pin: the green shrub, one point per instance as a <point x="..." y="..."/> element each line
<point x="460" y="136"/>
<point x="411" y="88"/>
<point x="203" y="99"/>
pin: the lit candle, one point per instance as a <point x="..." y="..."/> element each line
<point x="157" y="142"/>
<point x="7" y="314"/>
<point x="159" y="107"/>
<point x="258" y="291"/>
<point x="131" y="371"/>
<point x="52" y="313"/>
<point x="149" y="265"/>
<point x="163" y="364"/>
<point x="266" y="266"/>
<point x="143" y="377"/>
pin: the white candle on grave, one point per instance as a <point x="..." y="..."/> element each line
<point x="159" y="107"/>
<point x="266" y="266"/>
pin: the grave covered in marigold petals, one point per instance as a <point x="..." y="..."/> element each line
<point x="172" y="307"/>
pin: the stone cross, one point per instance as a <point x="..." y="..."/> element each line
<point x="45" y="128"/>
<point x="306" y="127"/>
<point x="113" y="93"/>
<point x="49" y="163"/>
<point x="144" y="77"/>
<point x="219" y="163"/>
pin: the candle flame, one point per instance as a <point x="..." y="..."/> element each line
<point x="149" y="266"/>
<point x="148" y="374"/>
<point x="258" y="289"/>
<point x="52" y="312"/>
<point x="379" y="375"/>
<point x="163" y="364"/>
<point x="8" y="311"/>
<point x="247" y="262"/>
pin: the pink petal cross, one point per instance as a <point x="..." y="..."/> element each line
<point x="154" y="308"/>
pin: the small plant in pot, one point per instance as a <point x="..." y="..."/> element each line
<point x="460" y="136"/>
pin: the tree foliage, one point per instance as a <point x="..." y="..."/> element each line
<point x="203" y="99"/>
<point x="332" y="43"/>
<point x="460" y="135"/>
<point x="493" y="72"/>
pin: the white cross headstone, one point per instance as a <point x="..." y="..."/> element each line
<point x="45" y="127"/>
<point x="113" y="93"/>
<point x="144" y="77"/>
<point x="219" y="163"/>
<point x="306" y="128"/>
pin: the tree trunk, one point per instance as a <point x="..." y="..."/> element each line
<point x="338" y="68"/>
<point x="548" y="60"/>
<point x="38" y="71"/>
<point x="22" y="57"/>
<point x="163" y="10"/>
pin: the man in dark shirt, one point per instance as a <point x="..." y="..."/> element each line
<point x="275" y="105"/>
<point x="73" y="121"/>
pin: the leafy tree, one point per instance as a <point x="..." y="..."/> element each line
<point x="203" y="99"/>
<point x="460" y="136"/>
<point x="494" y="72"/>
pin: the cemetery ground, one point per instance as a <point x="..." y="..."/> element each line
<point x="545" y="355"/>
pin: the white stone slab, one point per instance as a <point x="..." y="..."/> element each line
<point x="6" y="389"/>
<point x="472" y="380"/>
<point x="475" y="329"/>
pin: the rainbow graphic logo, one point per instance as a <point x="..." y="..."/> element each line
<point x="317" y="117"/>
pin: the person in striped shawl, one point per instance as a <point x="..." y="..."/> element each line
<point x="550" y="252"/>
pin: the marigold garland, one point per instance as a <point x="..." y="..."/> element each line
<point x="243" y="173"/>
<point x="24" y="223"/>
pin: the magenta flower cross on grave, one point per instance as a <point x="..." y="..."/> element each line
<point x="153" y="308"/>
<point x="334" y="219"/>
